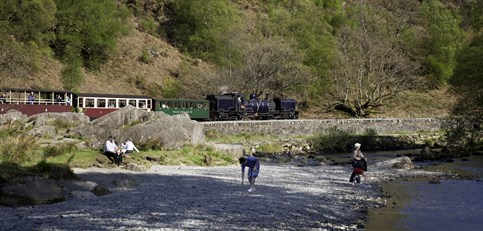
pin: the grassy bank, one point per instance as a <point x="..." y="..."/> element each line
<point x="24" y="155"/>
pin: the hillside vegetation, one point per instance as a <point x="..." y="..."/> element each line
<point x="369" y="58"/>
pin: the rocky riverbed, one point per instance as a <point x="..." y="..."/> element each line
<point x="211" y="198"/>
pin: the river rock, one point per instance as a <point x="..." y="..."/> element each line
<point x="397" y="163"/>
<point x="31" y="191"/>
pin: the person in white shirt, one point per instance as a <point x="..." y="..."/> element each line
<point x="111" y="151"/>
<point x="129" y="147"/>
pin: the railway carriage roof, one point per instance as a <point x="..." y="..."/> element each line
<point x="112" y="96"/>
<point x="181" y="100"/>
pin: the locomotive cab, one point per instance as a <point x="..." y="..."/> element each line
<point x="285" y="108"/>
<point x="229" y="106"/>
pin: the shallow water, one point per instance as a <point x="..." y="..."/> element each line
<point x="418" y="205"/>
<point x="451" y="205"/>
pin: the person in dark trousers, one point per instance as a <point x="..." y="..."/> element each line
<point x="111" y="151"/>
<point x="253" y="169"/>
<point x="359" y="164"/>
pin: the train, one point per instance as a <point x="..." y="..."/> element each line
<point x="221" y="107"/>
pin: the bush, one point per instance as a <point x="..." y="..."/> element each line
<point x="335" y="140"/>
<point x="57" y="150"/>
<point x="145" y="57"/>
<point x="19" y="150"/>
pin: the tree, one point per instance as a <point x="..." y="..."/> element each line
<point x="25" y="29"/>
<point x="199" y="28"/>
<point x="371" y="67"/>
<point x="28" y="21"/>
<point x="464" y="123"/>
<point x="89" y="29"/>
<point x="445" y="39"/>
<point x="270" y="66"/>
<point x="310" y="25"/>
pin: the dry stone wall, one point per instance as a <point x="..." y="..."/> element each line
<point x="311" y="127"/>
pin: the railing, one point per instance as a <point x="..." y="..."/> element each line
<point x="35" y="101"/>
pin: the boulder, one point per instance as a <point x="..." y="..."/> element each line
<point x="235" y="150"/>
<point x="43" y="131"/>
<point x="136" y="168"/>
<point x="124" y="181"/>
<point x="12" y="116"/>
<point x="99" y="190"/>
<point x="397" y="163"/>
<point x="152" y="128"/>
<point x="31" y="191"/>
<point x="64" y="119"/>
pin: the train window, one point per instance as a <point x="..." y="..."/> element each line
<point x="111" y="103"/>
<point x="142" y="104"/>
<point x="132" y="102"/>
<point x="46" y="98"/>
<point x="101" y="102"/>
<point x="80" y="101"/>
<point x="89" y="102"/>
<point x="122" y="103"/>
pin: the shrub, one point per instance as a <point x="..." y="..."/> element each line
<point x="57" y="150"/>
<point x="145" y="57"/>
<point x="19" y="150"/>
<point x="335" y="140"/>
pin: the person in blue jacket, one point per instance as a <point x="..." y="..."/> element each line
<point x="253" y="168"/>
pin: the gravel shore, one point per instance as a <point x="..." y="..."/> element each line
<point x="209" y="198"/>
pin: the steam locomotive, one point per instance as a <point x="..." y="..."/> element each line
<point x="234" y="106"/>
<point x="229" y="106"/>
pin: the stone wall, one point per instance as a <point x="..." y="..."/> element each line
<point x="311" y="127"/>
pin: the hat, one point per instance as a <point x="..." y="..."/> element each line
<point x="357" y="145"/>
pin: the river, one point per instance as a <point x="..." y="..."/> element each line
<point x="416" y="204"/>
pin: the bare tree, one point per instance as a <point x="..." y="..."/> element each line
<point x="370" y="66"/>
<point x="269" y="66"/>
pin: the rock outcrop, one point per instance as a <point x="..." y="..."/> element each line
<point x="142" y="127"/>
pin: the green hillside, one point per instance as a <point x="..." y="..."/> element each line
<point x="339" y="59"/>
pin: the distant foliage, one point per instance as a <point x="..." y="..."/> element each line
<point x="464" y="126"/>
<point x="199" y="28"/>
<point x="310" y="25"/>
<point x="89" y="29"/>
<point x="15" y="59"/>
<point x="28" y="21"/>
<point x="445" y="40"/>
<point x="332" y="140"/>
<point x="72" y="74"/>
<point x="25" y="30"/>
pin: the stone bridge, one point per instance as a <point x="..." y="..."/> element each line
<point x="305" y="127"/>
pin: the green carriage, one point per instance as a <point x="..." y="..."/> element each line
<point x="197" y="109"/>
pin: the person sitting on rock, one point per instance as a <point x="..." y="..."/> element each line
<point x="359" y="164"/>
<point x="129" y="147"/>
<point x="111" y="151"/>
<point x="253" y="168"/>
